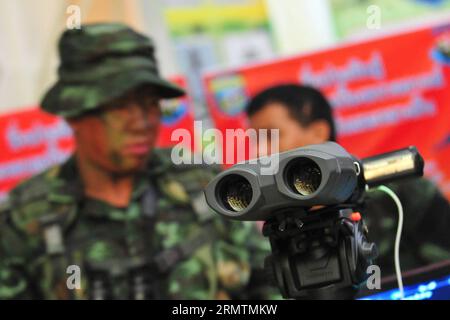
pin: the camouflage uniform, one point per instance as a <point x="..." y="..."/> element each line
<point x="164" y="244"/>
<point x="425" y="238"/>
<point x="116" y="246"/>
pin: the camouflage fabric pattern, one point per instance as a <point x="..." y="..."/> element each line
<point x="426" y="223"/>
<point x="100" y="238"/>
<point x="99" y="63"/>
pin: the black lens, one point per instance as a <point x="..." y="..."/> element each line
<point x="304" y="176"/>
<point x="236" y="193"/>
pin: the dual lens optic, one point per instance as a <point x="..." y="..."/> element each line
<point x="304" y="177"/>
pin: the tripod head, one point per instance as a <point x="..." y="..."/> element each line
<point x="322" y="254"/>
<point x="316" y="253"/>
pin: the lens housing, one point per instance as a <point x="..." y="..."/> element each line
<point x="235" y="193"/>
<point x="303" y="176"/>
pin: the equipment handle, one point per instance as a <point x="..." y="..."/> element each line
<point x="391" y="166"/>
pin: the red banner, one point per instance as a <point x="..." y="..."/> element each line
<point x="32" y="140"/>
<point x="386" y="94"/>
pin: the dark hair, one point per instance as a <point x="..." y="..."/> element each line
<point x="305" y="104"/>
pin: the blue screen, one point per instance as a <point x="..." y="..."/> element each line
<point x="431" y="290"/>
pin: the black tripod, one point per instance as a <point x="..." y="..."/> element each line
<point x="321" y="254"/>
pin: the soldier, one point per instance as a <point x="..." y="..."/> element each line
<point x="118" y="219"/>
<point x="304" y="116"/>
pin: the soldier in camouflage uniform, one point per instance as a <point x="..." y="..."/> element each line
<point x="304" y="116"/>
<point x="136" y="225"/>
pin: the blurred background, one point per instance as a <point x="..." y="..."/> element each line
<point x="382" y="63"/>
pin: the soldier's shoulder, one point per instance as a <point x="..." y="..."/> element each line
<point x="29" y="199"/>
<point x="185" y="182"/>
<point x="416" y="190"/>
<point x="34" y="188"/>
<point x="420" y="183"/>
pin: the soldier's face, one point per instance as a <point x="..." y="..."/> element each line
<point x="120" y="136"/>
<point x="291" y="133"/>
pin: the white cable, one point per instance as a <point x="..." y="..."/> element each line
<point x="398" y="236"/>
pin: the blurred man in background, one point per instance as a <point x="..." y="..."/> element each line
<point x="304" y="116"/>
<point x="118" y="219"/>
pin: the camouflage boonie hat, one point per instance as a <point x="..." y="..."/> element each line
<point x="100" y="62"/>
